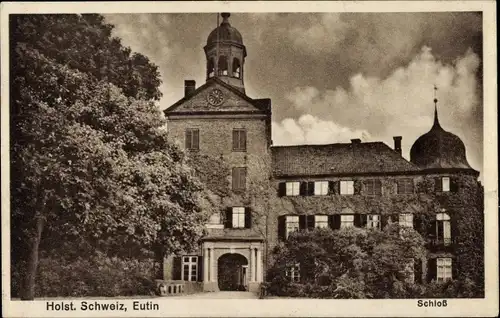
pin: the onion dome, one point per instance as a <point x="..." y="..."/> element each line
<point x="439" y="149"/>
<point x="226" y="32"/>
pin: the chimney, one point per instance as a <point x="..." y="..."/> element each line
<point x="189" y="87"/>
<point x="356" y="141"/>
<point x="397" y="143"/>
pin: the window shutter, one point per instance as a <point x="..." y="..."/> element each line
<point x="187" y="142"/>
<point x="196" y="139"/>
<point x="310" y="188"/>
<point x="248" y="218"/>
<point x="431" y="228"/>
<point x="303" y="188"/>
<point x="177" y="268"/>
<point x="418" y="270"/>
<point x="383" y="221"/>
<point x="431" y="269"/>
<point x="454" y="268"/>
<point x="439" y="230"/>
<point x="302" y="222"/>
<point x="417" y="222"/>
<point x="331" y="187"/>
<point x="243" y="178"/>
<point x="281" y="189"/>
<point x="453" y="184"/>
<point x="357" y="186"/>
<point x="364" y="220"/>
<point x="200" y="268"/>
<point x="310" y="221"/>
<point x="243" y="140"/>
<point x="235" y="139"/>
<point x="438" y="185"/>
<point x="357" y="220"/>
<point x="235" y="178"/>
<point x="228" y="222"/>
<point x="378" y="187"/>
<point x="395" y="217"/>
<point x="282" y="227"/>
<point x="334" y="221"/>
<point x="453" y="228"/>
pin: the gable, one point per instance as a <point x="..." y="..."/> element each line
<point x="206" y="99"/>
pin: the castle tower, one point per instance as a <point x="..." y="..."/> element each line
<point x="226" y="54"/>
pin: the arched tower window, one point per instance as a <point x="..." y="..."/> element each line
<point x="210" y="68"/>
<point x="236" y="68"/>
<point x="223" y="68"/>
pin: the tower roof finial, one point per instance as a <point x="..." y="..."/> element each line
<point x="225" y="17"/>
<point x="436" y="119"/>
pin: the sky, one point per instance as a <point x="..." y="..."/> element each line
<point x="333" y="77"/>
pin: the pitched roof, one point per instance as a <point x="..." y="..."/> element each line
<point x="338" y="159"/>
<point x="263" y="104"/>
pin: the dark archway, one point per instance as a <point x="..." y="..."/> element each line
<point x="232" y="272"/>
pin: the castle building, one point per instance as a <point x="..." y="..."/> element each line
<point x="219" y="120"/>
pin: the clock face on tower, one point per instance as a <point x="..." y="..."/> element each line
<point x="215" y="97"/>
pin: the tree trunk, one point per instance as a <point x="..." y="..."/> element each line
<point x="28" y="287"/>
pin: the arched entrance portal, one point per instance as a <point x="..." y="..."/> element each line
<point x="232" y="272"/>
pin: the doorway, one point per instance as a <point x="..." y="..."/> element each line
<point x="232" y="272"/>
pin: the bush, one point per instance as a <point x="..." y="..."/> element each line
<point x="347" y="263"/>
<point x="98" y="275"/>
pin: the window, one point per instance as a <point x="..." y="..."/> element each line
<point x="293" y="272"/>
<point x="210" y="68"/>
<point x="215" y="221"/>
<point x="373" y="221"/>
<point x="190" y="268"/>
<point x="406" y="220"/>
<point x="222" y="65"/>
<point x="192" y="139"/>
<point x="373" y="187"/>
<point x="239" y="140"/>
<point x="405" y="186"/>
<point x="239" y="217"/>
<point x="292" y="224"/>
<point x="347" y="187"/>
<point x="346" y="221"/>
<point x="443" y="269"/>
<point x="321" y="221"/>
<point x="445" y="184"/>
<point x="321" y="188"/>
<point x="236" y="68"/>
<point x="215" y="218"/>
<point x="239" y="178"/>
<point x="443" y="228"/>
<point x="292" y="188"/>
<point x="409" y="270"/>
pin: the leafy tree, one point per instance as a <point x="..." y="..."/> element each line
<point x="348" y="263"/>
<point x="90" y="162"/>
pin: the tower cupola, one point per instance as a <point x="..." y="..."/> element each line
<point x="438" y="148"/>
<point x="225" y="54"/>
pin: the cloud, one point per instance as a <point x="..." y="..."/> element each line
<point x="322" y="34"/>
<point x="376" y="42"/>
<point x="310" y="129"/>
<point x="401" y="104"/>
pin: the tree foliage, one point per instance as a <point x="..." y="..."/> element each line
<point x="347" y="263"/>
<point x="90" y="160"/>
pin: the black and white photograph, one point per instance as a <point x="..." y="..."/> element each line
<point x="234" y="159"/>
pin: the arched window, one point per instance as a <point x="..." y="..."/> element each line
<point x="236" y="68"/>
<point x="223" y="68"/>
<point x="211" y="68"/>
